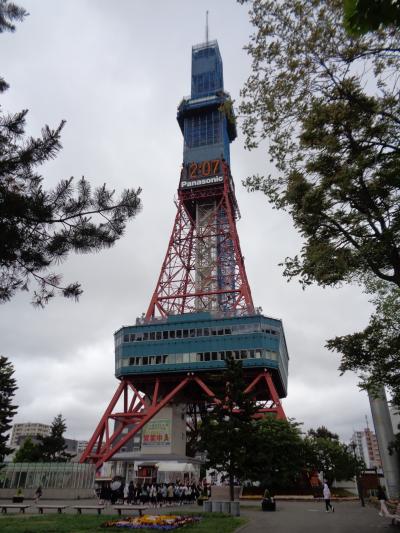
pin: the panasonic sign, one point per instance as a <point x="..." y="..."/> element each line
<point x="200" y="182"/>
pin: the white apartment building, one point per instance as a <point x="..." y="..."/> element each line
<point x="81" y="446"/>
<point x="28" y="429"/>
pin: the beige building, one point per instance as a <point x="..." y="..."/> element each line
<point x="28" y="429"/>
<point x="367" y="448"/>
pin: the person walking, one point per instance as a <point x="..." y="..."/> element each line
<point x="38" y="494"/>
<point x="327" y="497"/>
<point x="382" y="500"/>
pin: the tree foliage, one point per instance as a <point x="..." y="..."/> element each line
<point x="39" y="227"/>
<point x="28" y="452"/>
<point x="362" y="16"/>
<point x="227" y="431"/>
<point x="332" y="457"/>
<point x="328" y="105"/>
<point x="52" y="447"/>
<point x="268" y="450"/>
<point x="283" y="455"/>
<point x="322" y="432"/>
<point x="374" y="353"/>
<point x="45" y="449"/>
<point x="8" y="386"/>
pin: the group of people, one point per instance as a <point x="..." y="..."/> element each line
<point x="152" y="494"/>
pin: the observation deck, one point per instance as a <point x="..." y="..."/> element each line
<point x="201" y="342"/>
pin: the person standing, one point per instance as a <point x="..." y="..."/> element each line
<point x="327" y="497"/>
<point x="115" y="491"/>
<point x="126" y="493"/>
<point x="131" y="492"/>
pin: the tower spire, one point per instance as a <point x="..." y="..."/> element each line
<point x="207" y="26"/>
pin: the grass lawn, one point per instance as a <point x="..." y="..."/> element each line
<point x="68" y="523"/>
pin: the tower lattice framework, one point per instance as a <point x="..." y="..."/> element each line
<point x="203" y="268"/>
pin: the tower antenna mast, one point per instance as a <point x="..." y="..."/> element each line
<point x="207" y="27"/>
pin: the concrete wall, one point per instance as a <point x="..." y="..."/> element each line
<point x="175" y="414"/>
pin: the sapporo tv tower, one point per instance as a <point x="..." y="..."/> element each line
<point x="201" y="311"/>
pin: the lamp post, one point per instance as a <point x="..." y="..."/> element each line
<point x="353" y="446"/>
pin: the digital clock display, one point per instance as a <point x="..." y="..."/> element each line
<point x="202" y="173"/>
<point x="204" y="169"/>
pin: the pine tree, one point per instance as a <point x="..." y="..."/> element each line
<point x="38" y="227"/>
<point x="227" y="431"/>
<point x="8" y="386"/>
<point x="52" y="447"/>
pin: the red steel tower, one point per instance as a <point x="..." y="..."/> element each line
<point x="201" y="311"/>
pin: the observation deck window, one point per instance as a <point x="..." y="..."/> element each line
<point x="237" y="329"/>
<point x="197" y="357"/>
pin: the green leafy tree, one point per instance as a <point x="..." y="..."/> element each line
<point x="374" y="352"/>
<point x="322" y="433"/>
<point x="8" y="386"/>
<point x="284" y="457"/>
<point x="332" y="457"/>
<point x="328" y="104"/>
<point x="39" y="227"/>
<point x="227" y="431"/>
<point x="28" y="452"/>
<point x="52" y="447"/>
<point x="362" y="16"/>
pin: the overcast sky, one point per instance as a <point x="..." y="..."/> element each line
<point x="116" y="71"/>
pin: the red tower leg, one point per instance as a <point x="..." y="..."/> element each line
<point x="138" y="410"/>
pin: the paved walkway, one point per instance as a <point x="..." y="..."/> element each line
<point x="311" y="517"/>
<point x="290" y="517"/>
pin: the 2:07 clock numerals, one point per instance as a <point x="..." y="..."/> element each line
<point x="205" y="168"/>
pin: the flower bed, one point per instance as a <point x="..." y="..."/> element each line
<point x="160" y="522"/>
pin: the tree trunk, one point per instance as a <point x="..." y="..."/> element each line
<point x="231" y="487"/>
